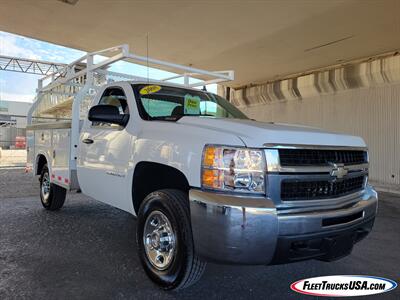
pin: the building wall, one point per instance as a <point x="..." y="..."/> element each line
<point x="16" y="110"/>
<point x="372" y="113"/>
<point x="13" y="121"/>
<point x="360" y="98"/>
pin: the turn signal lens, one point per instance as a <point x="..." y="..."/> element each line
<point x="209" y="156"/>
<point x="211" y="178"/>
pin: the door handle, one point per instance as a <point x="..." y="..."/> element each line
<point x="87" y="141"/>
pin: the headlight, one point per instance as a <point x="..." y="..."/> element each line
<point x="233" y="169"/>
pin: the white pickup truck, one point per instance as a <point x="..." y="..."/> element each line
<point x="205" y="182"/>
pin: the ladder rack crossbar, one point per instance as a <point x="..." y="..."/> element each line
<point x="69" y="73"/>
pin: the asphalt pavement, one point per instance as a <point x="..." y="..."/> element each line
<point x="87" y="250"/>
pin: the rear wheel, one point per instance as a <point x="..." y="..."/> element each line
<point x="165" y="242"/>
<point x="52" y="196"/>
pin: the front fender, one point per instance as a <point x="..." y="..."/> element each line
<point x="178" y="146"/>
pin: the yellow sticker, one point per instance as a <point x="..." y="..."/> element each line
<point x="150" y="89"/>
<point x="191" y="105"/>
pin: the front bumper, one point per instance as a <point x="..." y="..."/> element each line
<point x="251" y="230"/>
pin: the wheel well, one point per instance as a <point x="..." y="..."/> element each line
<point x="41" y="161"/>
<point x="149" y="177"/>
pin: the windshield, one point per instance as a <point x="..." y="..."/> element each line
<point x="157" y="102"/>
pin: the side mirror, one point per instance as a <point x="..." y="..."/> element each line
<point x="107" y="114"/>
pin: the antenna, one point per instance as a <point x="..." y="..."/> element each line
<point x="147" y="62"/>
<point x="147" y="56"/>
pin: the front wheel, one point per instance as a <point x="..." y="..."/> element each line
<point x="165" y="242"/>
<point x="52" y="196"/>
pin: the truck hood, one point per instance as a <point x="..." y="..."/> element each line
<point x="257" y="134"/>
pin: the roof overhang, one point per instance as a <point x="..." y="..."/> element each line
<point x="260" y="40"/>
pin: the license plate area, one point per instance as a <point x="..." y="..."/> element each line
<point x="337" y="246"/>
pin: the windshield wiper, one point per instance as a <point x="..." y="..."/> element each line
<point x="178" y="117"/>
<point x="167" y="118"/>
<point x="199" y="115"/>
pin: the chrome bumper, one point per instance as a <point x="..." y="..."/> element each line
<point x="251" y="230"/>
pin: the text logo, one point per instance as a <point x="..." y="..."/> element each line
<point x="343" y="286"/>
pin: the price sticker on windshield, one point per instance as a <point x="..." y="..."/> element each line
<point x="149" y="89"/>
<point x="192" y="105"/>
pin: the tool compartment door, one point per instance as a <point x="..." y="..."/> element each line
<point x="60" y="157"/>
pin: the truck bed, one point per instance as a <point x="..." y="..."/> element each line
<point x="53" y="141"/>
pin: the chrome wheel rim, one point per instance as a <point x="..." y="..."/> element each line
<point x="159" y="240"/>
<point x="45" y="187"/>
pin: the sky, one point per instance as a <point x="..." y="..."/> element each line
<point x="21" y="87"/>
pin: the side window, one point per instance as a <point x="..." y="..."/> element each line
<point x="115" y="97"/>
<point x="159" y="108"/>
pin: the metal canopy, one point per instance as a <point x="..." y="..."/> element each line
<point x="260" y="40"/>
<point x="30" y="66"/>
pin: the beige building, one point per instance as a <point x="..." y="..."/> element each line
<point x="361" y="98"/>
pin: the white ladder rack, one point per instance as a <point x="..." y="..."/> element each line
<point x="73" y="82"/>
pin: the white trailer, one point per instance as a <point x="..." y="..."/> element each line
<point x="205" y="182"/>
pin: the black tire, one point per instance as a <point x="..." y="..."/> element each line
<point x="185" y="267"/>
<point x="55" y="197"/>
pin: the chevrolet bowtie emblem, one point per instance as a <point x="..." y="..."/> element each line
<point x="338" y="171"/>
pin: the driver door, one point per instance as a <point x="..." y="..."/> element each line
<point x="104" y="153"/>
